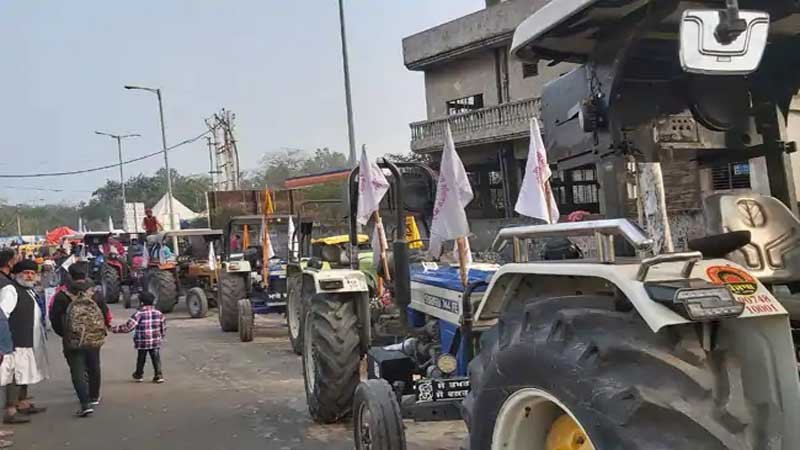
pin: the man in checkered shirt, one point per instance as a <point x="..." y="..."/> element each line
<point x="149" y="328"/>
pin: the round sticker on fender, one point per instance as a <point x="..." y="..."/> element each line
<point x="739" y="281"/>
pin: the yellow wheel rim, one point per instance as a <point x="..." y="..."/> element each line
<point x="565" y="434"/>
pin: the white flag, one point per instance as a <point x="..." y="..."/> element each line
<point x="293" y="247"/>
<point x="263" y="234"/>
<point x="110" y="224"/>
<point x="372" y="186"/>
<point x="453" y="194"/>
<point x="535" y="196"/>
<point x="212" y="257"/>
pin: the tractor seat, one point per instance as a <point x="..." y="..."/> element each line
<point x="720" y="245"/>
<point x="773" y="253"/>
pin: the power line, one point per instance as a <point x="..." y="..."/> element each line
<point x="106" y="167"/>
<point x="30" y="188"/>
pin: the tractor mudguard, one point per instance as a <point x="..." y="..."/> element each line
<point x="521" y="280"/>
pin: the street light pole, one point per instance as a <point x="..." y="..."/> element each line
<point x="119" y="139"/>
<point x="346" y="68"/>
<point x="164" y="150"/>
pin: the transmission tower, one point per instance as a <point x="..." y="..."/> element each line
<point x="222" y="143"/>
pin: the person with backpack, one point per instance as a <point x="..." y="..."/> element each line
<point x="149" y="327"/>
<point x="82" y="319"/>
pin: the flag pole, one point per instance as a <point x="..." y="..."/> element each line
<point x="462" y="260"/>
<point x="383" y="245"/>
<point x="265" y="244"/>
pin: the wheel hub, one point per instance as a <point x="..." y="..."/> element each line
<point x="533" y="419"/>
<point x="565" y="434"/>
<point x="362" y="423"/>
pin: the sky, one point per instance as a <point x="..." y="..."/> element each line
<point x="276" y="65"/>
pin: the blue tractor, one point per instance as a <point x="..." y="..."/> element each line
<point x="242" y="291"/>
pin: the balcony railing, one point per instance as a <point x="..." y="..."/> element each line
<point x="493" y="124"/>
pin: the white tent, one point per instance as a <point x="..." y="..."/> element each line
<point x="181" y="211"/>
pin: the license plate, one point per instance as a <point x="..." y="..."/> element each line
<point x="442" y="389"/>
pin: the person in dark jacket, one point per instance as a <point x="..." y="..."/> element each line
<point x="28" y="363"/>
<point x="84" y="364"/>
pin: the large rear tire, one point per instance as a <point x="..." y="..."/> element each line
<point x="625" y="386"/>
<point x="196" y="302"/>
<point x="161" y="284"/>
<point x="231" y="289"/>
<point x="246" y="320"/>
<point x="377" y="419"/>
<point x="331" y="357"/>
<point x="110" y="283"/>
<point x="296" y="311"/>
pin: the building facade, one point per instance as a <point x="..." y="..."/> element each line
<point x="488" y="97"/>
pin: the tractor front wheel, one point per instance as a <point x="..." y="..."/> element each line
<point x="295" y="311"/>
<point x="377" y="419"/>
<point x="574" y="372"/>
<point x="246" y="320"/>
<point x="162" y="285"/>
<point x="126" y="297"/>
<point x="196" y="302"/>
<point x="331" y="357"/>
<point x="110" y="283"/>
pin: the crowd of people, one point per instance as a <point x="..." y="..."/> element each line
<point x="79" y="316"/>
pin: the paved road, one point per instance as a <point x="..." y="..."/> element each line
<point x="220" y="394"/>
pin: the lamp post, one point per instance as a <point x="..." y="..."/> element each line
<point x="164" y="149"/>
<point x="119" y="139"/>
<point x="351" y="134"/>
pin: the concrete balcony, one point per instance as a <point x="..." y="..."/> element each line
<point x="487" y="125"/>
<point x="488" y="27"/>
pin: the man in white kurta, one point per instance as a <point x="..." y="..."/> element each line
<point x="27" y="364"/>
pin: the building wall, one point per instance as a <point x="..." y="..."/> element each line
<point x="520" y="87"/>
<point x="469" y="75"/>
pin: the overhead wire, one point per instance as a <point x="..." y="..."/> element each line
<point x="105" y="167"/>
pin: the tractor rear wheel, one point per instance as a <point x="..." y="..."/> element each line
<point x="162" y="285"/>
<point x="246" y="320"/>
<point x="110" y="283"/>
<point x="231" y="289"/>
<point x="331" y="357"/>
<point x="575" y="370"/>
<point x="296" y="311"/>
<point x="196" y="302"/>
<point x="377" y="419"/>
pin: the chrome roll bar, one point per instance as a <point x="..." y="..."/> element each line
<point x="603" y="230"/>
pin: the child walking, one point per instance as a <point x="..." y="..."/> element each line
<point x="149" y="327"/>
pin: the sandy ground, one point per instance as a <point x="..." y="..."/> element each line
<point x="220" y="394"/>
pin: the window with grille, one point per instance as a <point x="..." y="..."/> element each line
<point x="576" y="189"/>
<point x="466" y="104"/>
<point x="731" y="176"/>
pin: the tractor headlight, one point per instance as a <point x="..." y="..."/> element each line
<point x="709" y="303"/>
<point x="446" y="363"/>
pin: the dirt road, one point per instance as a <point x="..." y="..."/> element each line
<point x="220" y="394"/>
